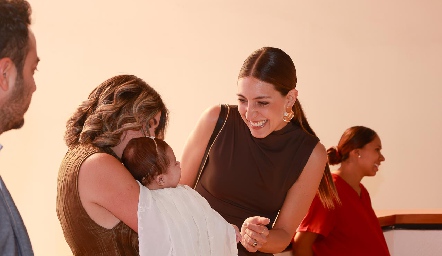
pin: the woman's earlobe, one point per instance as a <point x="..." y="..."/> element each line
<point x="153" y="122"/>
<point x="356" y="153"/>
<point x="151" y="126"/>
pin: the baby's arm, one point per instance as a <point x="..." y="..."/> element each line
<point x="237" y="232"/>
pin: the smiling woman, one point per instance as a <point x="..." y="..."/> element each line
<point x="351" y="228"/>
<point x="260" y="106"/>
<point x="266" y="165"/>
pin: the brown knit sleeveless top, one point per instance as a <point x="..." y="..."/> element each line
<point x="247" y="176"/>
<point x="83" y="235"/>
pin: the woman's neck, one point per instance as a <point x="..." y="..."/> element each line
<point x="118" y="149"/>
<point x="350" y="175"/>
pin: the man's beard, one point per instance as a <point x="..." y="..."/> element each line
<point x="13" y="110"/>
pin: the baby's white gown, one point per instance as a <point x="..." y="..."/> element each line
<point x="180" y="222"/>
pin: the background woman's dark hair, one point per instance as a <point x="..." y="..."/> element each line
<point x="353" y="138"/>
<point x="15" y="17"/>
<point x="144" y="159"/>
<point x="121" y="103"/>
<point x="274" y="66"/>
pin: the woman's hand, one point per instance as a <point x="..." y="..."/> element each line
<point x="254" y="233"/>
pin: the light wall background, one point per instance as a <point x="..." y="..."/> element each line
<point x="373" y="63"/>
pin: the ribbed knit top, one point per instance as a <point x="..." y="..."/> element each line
<point x="83" y="235"/>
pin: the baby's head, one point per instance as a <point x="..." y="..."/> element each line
<point x="152" y="162"/>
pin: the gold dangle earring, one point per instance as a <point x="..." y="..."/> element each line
<point x="288" y="115"/>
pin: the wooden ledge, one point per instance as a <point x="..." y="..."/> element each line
<point x="397" y="219"/>
<point x="401" y="217"/>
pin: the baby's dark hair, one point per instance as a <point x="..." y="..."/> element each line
<point x="146" y="158"/>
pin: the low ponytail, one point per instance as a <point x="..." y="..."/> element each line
<point x="327" y="190"/>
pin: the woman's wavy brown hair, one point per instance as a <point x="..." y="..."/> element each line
<point x="274" y="66"/>
<point x="121" y="103"/>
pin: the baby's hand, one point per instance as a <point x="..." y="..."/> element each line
<point x="238" y="234"/>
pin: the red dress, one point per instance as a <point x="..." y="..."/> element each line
<point x="350" y="229"/>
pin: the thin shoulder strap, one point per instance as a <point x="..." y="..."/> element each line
<point x="223" y="114"/>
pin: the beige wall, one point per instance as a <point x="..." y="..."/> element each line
<point x="372" y="63"/>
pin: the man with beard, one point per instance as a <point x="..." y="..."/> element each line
<point x="18" y="62"/>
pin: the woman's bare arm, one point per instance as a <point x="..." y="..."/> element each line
<point x="196" y="145"/>
<point x="303" y="242"/>
<point x="108" y="191"/>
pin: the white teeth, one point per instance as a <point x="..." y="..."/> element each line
<point x="258" y="124"/>
<point x="377" y="165"/>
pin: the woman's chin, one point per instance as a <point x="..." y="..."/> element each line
<point x="260" y="132"/>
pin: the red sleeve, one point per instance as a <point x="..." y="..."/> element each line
<point x="318" y="220"/>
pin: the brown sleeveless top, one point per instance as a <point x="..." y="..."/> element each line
<point x="83" y="235"/>
<point x="247" y="176"/>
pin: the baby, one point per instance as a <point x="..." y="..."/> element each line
<point x="173" y="219"/>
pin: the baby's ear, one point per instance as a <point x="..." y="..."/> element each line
<point x="159" y="179"/>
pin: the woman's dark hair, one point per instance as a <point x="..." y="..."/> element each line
<point x="121" y="103"/>
<point x="15" y="18"/>
<point x="353" y="138"/>
<point x="145" y="158"/>
<point x="274" y="66"/>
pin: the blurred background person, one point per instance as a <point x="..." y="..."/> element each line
<point x="18" y="62"/>
<point x="352" y="228"/>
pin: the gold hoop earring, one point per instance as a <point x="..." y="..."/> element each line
<point x="288" y="115"/>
